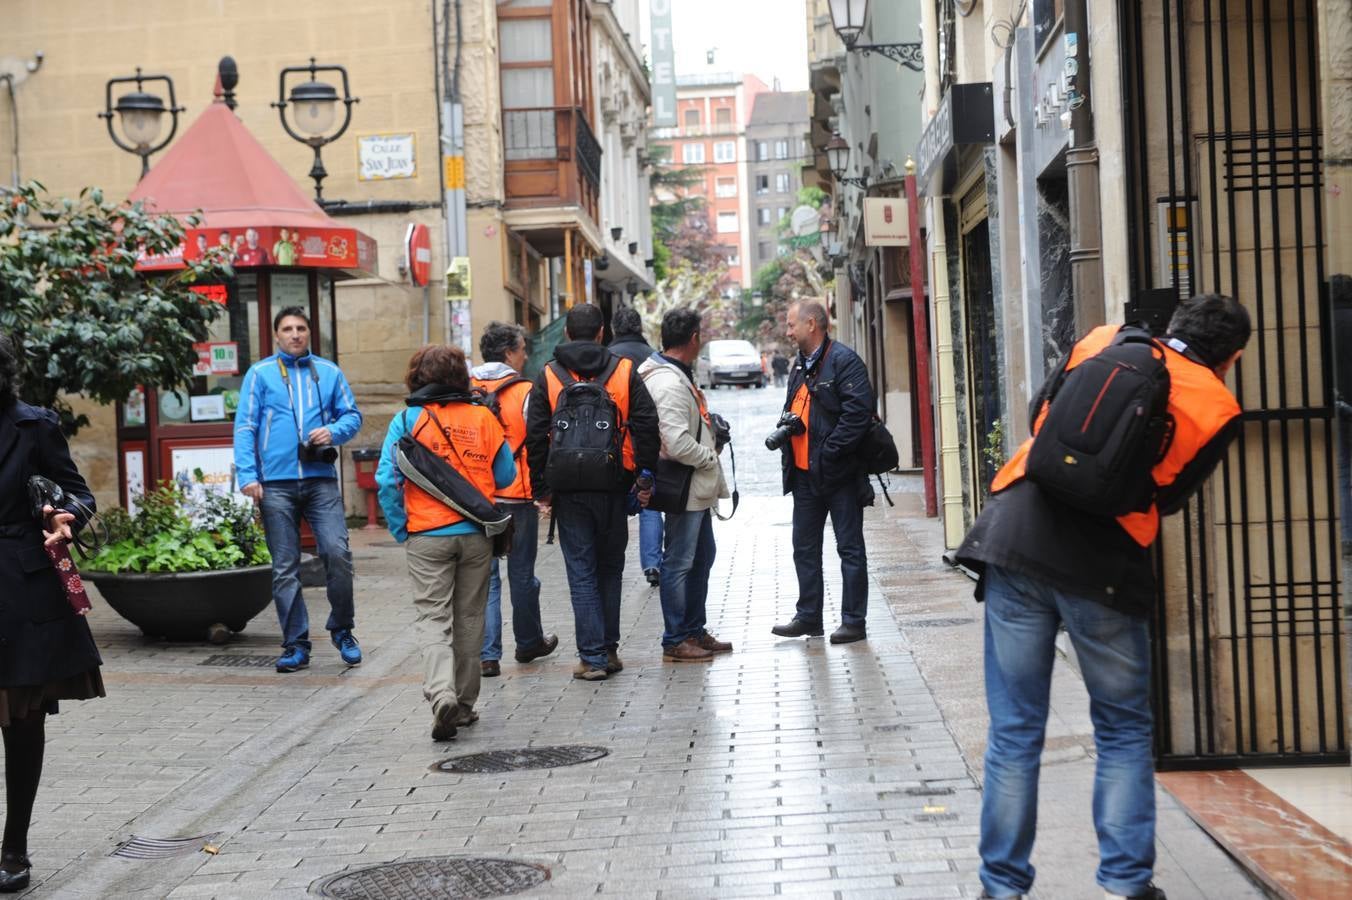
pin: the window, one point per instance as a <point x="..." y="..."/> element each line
<point x="762" y="150"/>
<point x="763" y="250"/>
<point x="692" y="153"/>
<point x="527" y="69"/>
<point x="725" y="151"/>
<point x="725" y="187"/>
<point x="734" y="258"/>
<point x="727" y="222"/>
<point x="763" y="215"/>
<point x="723" y="118"/>
<point x="762" y="184"/>
<point x="781" y="149"/>
<point x="780" y="213"/>
<point x="782" y="182"/>
<point x="692" y="118"/>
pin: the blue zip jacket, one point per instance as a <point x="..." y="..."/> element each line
<point x="275" y="412"/>
<point x="390" y="481"/>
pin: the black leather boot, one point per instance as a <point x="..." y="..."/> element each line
<point x="14" y="873"/>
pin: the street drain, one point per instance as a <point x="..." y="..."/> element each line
<point x="439" y="878"/>
<point x="239" y="661"/>
<point x="493" y="762"/>
<point x="935" y="623"/>
<point x="162" y="848"/>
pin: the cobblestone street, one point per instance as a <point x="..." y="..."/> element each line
<point x="787" y="767"/>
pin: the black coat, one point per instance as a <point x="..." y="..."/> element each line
<point x="842" y="411"/>
<point x="633" y="347"/>
<point x="41" y="638"/>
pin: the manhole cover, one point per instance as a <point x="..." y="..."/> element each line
<point x="495" y="761"/>
<point x="239" y="661"/>
<point x="935" y="623"/>
<point x="162" y="848"/>
<point x="440" y="878"/>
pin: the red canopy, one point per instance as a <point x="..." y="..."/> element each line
<point x="245" y="200"/>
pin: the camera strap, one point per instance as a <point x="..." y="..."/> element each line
<point x="291" y="398"/>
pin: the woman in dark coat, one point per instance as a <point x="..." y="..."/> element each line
<point x="46" y="651"/>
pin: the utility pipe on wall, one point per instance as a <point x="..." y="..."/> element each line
<point x="1082" y="175"/>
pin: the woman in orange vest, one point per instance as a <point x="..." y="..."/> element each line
<point x="449" y="557"/>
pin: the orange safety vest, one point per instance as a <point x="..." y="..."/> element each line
<point x="802" y="406"/>
<point x="470" y="442"/>
<point x="617" y="386"/>
<point x="1200" y="403"/>
<point x="512" y="411"/>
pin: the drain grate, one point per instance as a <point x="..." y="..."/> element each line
<point x="239" y="661"/>
<point x="162" y="848"/>
<point x="441" y="878"/>
<point x="493" y="762"/>
<point x="935" y="623"/>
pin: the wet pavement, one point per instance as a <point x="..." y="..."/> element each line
<point x="786" y="767"/>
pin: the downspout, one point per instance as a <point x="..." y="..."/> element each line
<point x="459" y="329"/>
<point x="1082" y="175"/>
<point x="950" y="459"/>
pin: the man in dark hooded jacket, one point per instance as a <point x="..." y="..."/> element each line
<point x="593" y="525"/>
<point x="630" y="343"/>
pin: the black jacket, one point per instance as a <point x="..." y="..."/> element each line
<point x="41" y="637"/>
<point x="1025" y="531"/>
<point x="633" y="347"/>
<point x="588" y="359"/>
<point x="842" y="410"/>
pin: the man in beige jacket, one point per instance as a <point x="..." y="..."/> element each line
<point x="688" y="439"/>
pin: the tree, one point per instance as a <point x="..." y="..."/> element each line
<point x="791" y="276"/>
<point x="670" y="202"/>
<point x="85" y="321"/>
<point x="686" y="285"/>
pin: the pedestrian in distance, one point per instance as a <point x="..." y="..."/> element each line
<point x="1065" y="541"/>
<point x="628" y="341"/>
<point x="690" y="451"/>
<point x="828" y="409"/>
<point x="779" y="365"/>
<point x="48" y="653"/>
<point x="503" y="348"/>
<point x="449" y="555"/>
<point x="591" y="445"/>
<point x="295" y="410"/>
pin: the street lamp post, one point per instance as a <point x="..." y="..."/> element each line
<point x="837" y="152"/>
<point x="141" y="116"/>
<point x="848" y="18"/>
<point x="316" y="110"/>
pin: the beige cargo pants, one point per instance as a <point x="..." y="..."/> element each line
<point x="450" y="591"/>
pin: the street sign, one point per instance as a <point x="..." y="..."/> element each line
<point x="418" y="246"/>
<point x="885" y="223"/>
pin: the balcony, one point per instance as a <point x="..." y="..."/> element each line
<point x="552" y="160"/>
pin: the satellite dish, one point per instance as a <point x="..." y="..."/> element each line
<point x="804" y="221"/>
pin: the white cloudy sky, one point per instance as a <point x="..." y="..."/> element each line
<point x="765" y="38"/>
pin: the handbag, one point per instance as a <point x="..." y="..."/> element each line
<point x="43" y="492"/>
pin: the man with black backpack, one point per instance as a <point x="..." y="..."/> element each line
<point x="591" y="441"/>
<point x="1126" y="429"/>
<point x="503" y="348"/>
<point x="828" y="412"/>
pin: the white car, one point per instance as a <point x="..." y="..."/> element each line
<point x="729" y="362"/>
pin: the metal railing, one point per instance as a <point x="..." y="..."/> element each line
<point x="552" y="132"/>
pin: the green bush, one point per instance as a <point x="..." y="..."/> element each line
<point x="171" y="532"/>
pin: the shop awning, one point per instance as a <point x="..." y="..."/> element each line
<point x="247" y="201"/>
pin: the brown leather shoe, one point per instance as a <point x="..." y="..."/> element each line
<point x="613" y="662"/>
<point x="464" y="716"/>
<point x="686" y="651"/>
<point x="544" y="648"/>
<point x="713" y="644"/>
<point x="584" y="672"/>
<point x="443" y="722"/>
<point x="490" y="668"/>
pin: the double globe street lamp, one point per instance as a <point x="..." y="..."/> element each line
<point x="140" y="116"/>
<point x="315" y="109"/>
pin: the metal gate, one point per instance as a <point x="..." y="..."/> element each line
<point x="1224" y="189"/>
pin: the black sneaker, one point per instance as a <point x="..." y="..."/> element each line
<point x="797" y="628"/>
<point x="654" y="576"/>
<point x="1149" y="892"/>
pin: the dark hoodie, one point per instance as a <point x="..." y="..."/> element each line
<point x="587" y="359"/>
<point x="633" y="347"/>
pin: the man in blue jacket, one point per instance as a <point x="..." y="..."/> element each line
<point x="830" y="394"/>
<point x="295" y="409"/>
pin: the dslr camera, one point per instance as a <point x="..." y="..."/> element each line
<point x="722" y="431"/>
<point x="789" y="426"/>
<point x="313" y="453"/>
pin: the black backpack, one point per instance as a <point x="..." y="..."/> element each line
<point x="877" y="452"/>
<point x="1107" y="425"/>
<point x="586" y="436"/>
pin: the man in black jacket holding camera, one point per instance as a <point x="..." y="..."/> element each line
<point x="827" y="411"/>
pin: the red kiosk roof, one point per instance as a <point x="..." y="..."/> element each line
<point x="218" y="170"/>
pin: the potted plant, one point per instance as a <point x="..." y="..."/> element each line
<point x="185" y="566"/>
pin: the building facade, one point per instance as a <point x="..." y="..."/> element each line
<point x="776" y="149"/>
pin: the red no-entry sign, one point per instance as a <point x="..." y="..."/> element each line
<point x="418" y="243"/>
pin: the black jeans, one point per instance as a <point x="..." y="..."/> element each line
<point x="810" y="510"/>
<point x="593" y="535"/>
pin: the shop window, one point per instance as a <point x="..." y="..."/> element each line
<point x="223" y="358"/>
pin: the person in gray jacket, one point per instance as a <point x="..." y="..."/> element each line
<point x="688" y="437"/>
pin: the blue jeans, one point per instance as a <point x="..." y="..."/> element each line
<point x="650" y="539"/>
<point x="316" y="500"/>
<point x="1022" y="615"/>
<point x="810" y="510"/>
<point x="685" y="575"/>
<point x="525" y="586"/>
<point x="593" y="532"/>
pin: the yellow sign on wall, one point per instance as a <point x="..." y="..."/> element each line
<point x="458" y="285"/>
<point x="455" y="172"/>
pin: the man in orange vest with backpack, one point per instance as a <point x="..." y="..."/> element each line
<point x="503" y="348"/>
<point x="1125" y="430"/>
<point x="591" y="444"/>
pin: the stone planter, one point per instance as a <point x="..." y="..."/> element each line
<point x="187" y="606"/>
